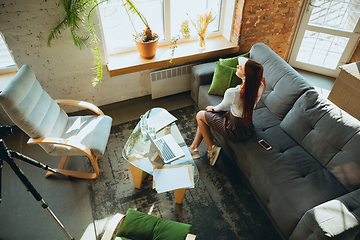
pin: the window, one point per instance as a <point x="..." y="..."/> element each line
<point x="7" y="64"/>
<point x="164" y="17"/>
<point x="328" y="34"/>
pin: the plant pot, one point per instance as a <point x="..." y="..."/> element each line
<point x="147" y="49"/>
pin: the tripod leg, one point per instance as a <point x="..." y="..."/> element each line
<point x="43" y="204"/>
<point x="33" y="162"/>
<point x="61" y="166"/>
<point x="33" y="191"/>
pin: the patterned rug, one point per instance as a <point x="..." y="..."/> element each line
<point x="219" y="207"/>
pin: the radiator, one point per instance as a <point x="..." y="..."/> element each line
<point x="170" y="81"/>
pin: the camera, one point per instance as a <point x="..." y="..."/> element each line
<point x="5" y="131"/>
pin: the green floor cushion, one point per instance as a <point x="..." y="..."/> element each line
<point x="141" y="226"/>
<point x="166" y="229"/>
<point x="137" y="226"/>
<point x="123" y="238"/>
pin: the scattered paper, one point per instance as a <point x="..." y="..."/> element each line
<point x="160" y="120"/>
<point x="144" y="164"/>
<point x="168" y="179"/>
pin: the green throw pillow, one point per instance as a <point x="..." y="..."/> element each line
<point x="137" y="225"/>
<point x="167" y="229"/>
<point x="141" y="226"/>
<point x="224" y="78"/>
<point x="235" y="80"/>
<point x="233" y="62"/>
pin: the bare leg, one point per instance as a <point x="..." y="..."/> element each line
<point x="203" y="132"/>
<point x="197" y="140"/>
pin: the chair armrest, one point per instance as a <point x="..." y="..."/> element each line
<point x="337" y="218"/>
<point x="61" y="141"/>
<point x="112" y="226"/>
<point x="78" y="103"/>
<point x="190" y="237"/>
<point x="202" y="74"/>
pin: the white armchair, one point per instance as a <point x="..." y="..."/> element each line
<point x="41" y="118"/>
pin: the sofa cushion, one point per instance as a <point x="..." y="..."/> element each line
<point x="287" y="179"/>
<point x="329" y="134"/>
<point x="232" y="62"/>
<point x="224" y="77"/>
<point x="202" y="74"/>
<point x="207" y="100"/>
<point x="283" y="84"/>
<point x="262" y="118"/>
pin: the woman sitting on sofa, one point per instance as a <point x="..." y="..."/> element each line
<point x="234" y="125"/>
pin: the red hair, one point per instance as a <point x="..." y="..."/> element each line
<point x="249" y="92"/>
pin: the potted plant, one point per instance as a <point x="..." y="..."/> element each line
<point x="146" y="41"/>
<point x="201" y="25"/>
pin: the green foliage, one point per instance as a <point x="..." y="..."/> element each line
<point x="147" y="35"/>
<point x="95" y="50"/>
<point x="173" y="46"/>
<point x="77" y="16"/>
<point x="131" y="8"/>
<point x="72" y="10"/>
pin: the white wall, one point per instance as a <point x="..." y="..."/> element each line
<point x="63" y="70"/>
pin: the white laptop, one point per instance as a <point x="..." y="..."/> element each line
<point x="167" y="148"/>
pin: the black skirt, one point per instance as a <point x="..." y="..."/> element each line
<point x="227" y="125"/>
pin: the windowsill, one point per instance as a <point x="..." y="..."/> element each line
<point x="185" y="52"/>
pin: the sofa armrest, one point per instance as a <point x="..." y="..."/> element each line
<point x="335" y="219"/>
<point x="202" y="74"/>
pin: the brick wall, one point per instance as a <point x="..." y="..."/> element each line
<point x="272" y="22"/>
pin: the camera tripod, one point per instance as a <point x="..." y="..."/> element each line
<point x="8" y="155"/>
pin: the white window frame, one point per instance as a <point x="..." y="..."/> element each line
<point x="304" y="25"/>
<point x="14" y="68"/>
<point x="225" y="27"/>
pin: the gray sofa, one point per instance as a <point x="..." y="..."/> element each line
<point x="308" y="183"/>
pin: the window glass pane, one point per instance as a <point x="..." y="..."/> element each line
<point x="179" y="8"/>
<point x="335" y="14"/>
<point x="321" y="49"/>
<point x="119" y="31"/>
<point x="6" y="60"/>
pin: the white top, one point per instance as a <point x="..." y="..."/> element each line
<point x="232" y="99"/>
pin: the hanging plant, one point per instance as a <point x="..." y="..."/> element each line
<point x="72" y="19"/>
<point x="76" y="16"/>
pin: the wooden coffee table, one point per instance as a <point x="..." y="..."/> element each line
<point x="136" y="152"/>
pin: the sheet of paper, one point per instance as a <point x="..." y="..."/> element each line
<point x="168" y="179"/>
<point x="144" y="164"/>
<point x="160" y="120"/>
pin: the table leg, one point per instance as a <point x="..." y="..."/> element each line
<point x="138" y="175"/>
<point x="179" y="195"/>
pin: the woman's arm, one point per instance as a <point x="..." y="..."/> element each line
<point x="227" y="101"/>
